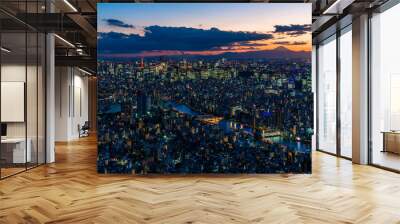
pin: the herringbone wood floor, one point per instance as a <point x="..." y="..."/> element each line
<point x="70" y="191"/>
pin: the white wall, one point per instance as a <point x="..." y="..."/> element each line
<point x="33" y="126"/>
<point x="81" y="103"/>
<point x="14" y="72"/>
<point x="17" y="72"/>
<point x="71" y="102"/>
<point x="62" y="82"/>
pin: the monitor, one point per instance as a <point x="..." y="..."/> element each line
<point x="3" y="129"/>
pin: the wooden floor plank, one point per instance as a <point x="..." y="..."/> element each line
<point x="70" y="191"/>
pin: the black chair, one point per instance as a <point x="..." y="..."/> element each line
<point x="84" y="130"/>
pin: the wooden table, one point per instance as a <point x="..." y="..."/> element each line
<point x="391" y="141"/>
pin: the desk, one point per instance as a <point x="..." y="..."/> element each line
<point x="391" y="141"/>
<point x="13" y="150"/>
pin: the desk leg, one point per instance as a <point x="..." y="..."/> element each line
<point x="384" y="142"/>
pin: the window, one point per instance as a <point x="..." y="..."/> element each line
<point x="385" y="89"/>
<point x="327" y="95"/>
<point x="346" y="92"/>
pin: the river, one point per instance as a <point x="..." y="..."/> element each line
<point x="229" y="126"/>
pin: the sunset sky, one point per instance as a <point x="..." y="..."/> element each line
<point x="153" y="29"/>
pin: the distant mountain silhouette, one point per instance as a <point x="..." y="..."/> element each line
<point x="279" y="52"/>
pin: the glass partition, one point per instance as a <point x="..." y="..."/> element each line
<point x="14" y="153"/>
<point x="22" y="92"/>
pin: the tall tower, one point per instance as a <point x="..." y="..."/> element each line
<point x="142" y="63"/>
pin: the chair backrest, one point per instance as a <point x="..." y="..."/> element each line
<point x="86" y="125"/>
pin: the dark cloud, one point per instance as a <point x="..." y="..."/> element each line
<point x="235" y="48"/>
<point x="290" y="43"/>
<point x="249" y="44"/>
<point x="118" y="23"/>
<point x="293" y="29"/>
<point x="159" y="38"/>
<point x="281" y="42"/>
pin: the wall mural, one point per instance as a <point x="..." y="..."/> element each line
<point x="204" y="88"/>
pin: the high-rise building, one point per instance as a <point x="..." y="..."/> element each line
<point x="143" y="103"/>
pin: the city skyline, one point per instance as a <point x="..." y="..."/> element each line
<point x="147" y="30"/>
<point x="204" y="88"/>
